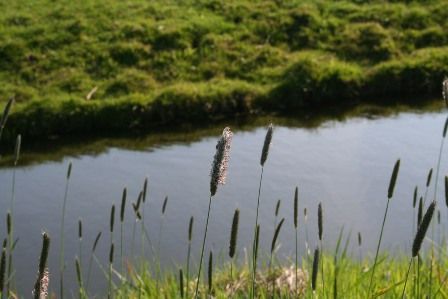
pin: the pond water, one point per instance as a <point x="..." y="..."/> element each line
<point x="345" y="165"/>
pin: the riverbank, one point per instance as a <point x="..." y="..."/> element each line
<point x="127" y="66"/>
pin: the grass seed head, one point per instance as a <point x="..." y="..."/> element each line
<point x="266" y="145"/>
<point x="164" y="205"/>
<point x="414" y="202"/>
<point x="234" y="233"/>
<point x="428" y="179"/>
<point x="220" y="163"/>
<point x="320" y="220"/>
<point x="276" y="233"/>
<point x="190" y="229"/>
<point x="112" y="218"/>
<point x="421" y="232"/>
<point x="296" y="207"/>
<point x="393" y="179"/>
<point x="277" y="207"/>
<point x="123" y="205"/>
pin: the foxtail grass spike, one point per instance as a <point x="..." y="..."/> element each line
<point x="267" y="143"/>
<point x="96" y="241"/>
<point x="393" y="179"/>
<point x="139" y="200"/>
<point x="445" y="91"/>
<point x="428" y="179"/>
<point x="315" y="269"/>
<point x="17" y="149"/>
<point x="210" y="272"/>
<point x="6" y="114"/>
<point x="420" y="212"/>
<point x="39" y="291"/>
<point x="234" y="233"/>
<point x="123" y="205"/>
<point x="296" y="206"/>
<point x="359" y="239"/>
<point x="190" y="229"/>
<point x="145" y="188"/>
<point x="111" y="254"/>
<point x="80" y="229"/>
<point x="446" y="190"/>
<point x="69" y="170"/>
<point x="112" y="218"/>
<point x="414" y="202"/>
<point x="445" y="127"/>
<point x="276" y="233"/>
<point x="220" y="163"/>
<point x="277" y="207"/>
<point x="181" y="283"/>
<point x="320" y="220"/>
<point x="8" y="223"/>
<point x="421" y="232"/>
<point x="164" y="205"/>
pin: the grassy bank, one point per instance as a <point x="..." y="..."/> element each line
<point x="145" y="64"/>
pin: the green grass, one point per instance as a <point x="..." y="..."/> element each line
<point x="163" y="62"/>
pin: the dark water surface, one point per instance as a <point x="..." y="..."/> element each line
<point x="345" y="165"/>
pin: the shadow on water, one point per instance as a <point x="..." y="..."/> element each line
<point x="58" y="148"/>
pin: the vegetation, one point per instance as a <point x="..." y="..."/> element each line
<point x="331" y="272"/>
<point x="101" y="66"/>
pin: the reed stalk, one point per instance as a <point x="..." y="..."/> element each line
<point x="122" y="213"/>
<point x="190" y="237"/>
<point x="80" y="239"/>
<point x="296" y="220"/>
<point x="144" y="192"/>
<point x="92" y="253"/>
<point x="320" y="221"/>
<point x="390" y="193"/>
<point x="264" y="156"/>
<point x="217" y="177"/>
<point x="62" y="233"/>
<point x="111" y="262"/>
<point x="419" y="238"/>
<point x="233" y="239"/>
<point x="273" y="246"/>
<point x="11" y="209"/>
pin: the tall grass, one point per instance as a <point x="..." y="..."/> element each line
<point x="217" y="177"/>
<point x="390" y="193"/>
<point x="264" y="156"/>
<point x="233" y="239"/>
<point x="62" y="233"/>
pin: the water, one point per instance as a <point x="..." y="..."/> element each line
<point x="345" y="165"/>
